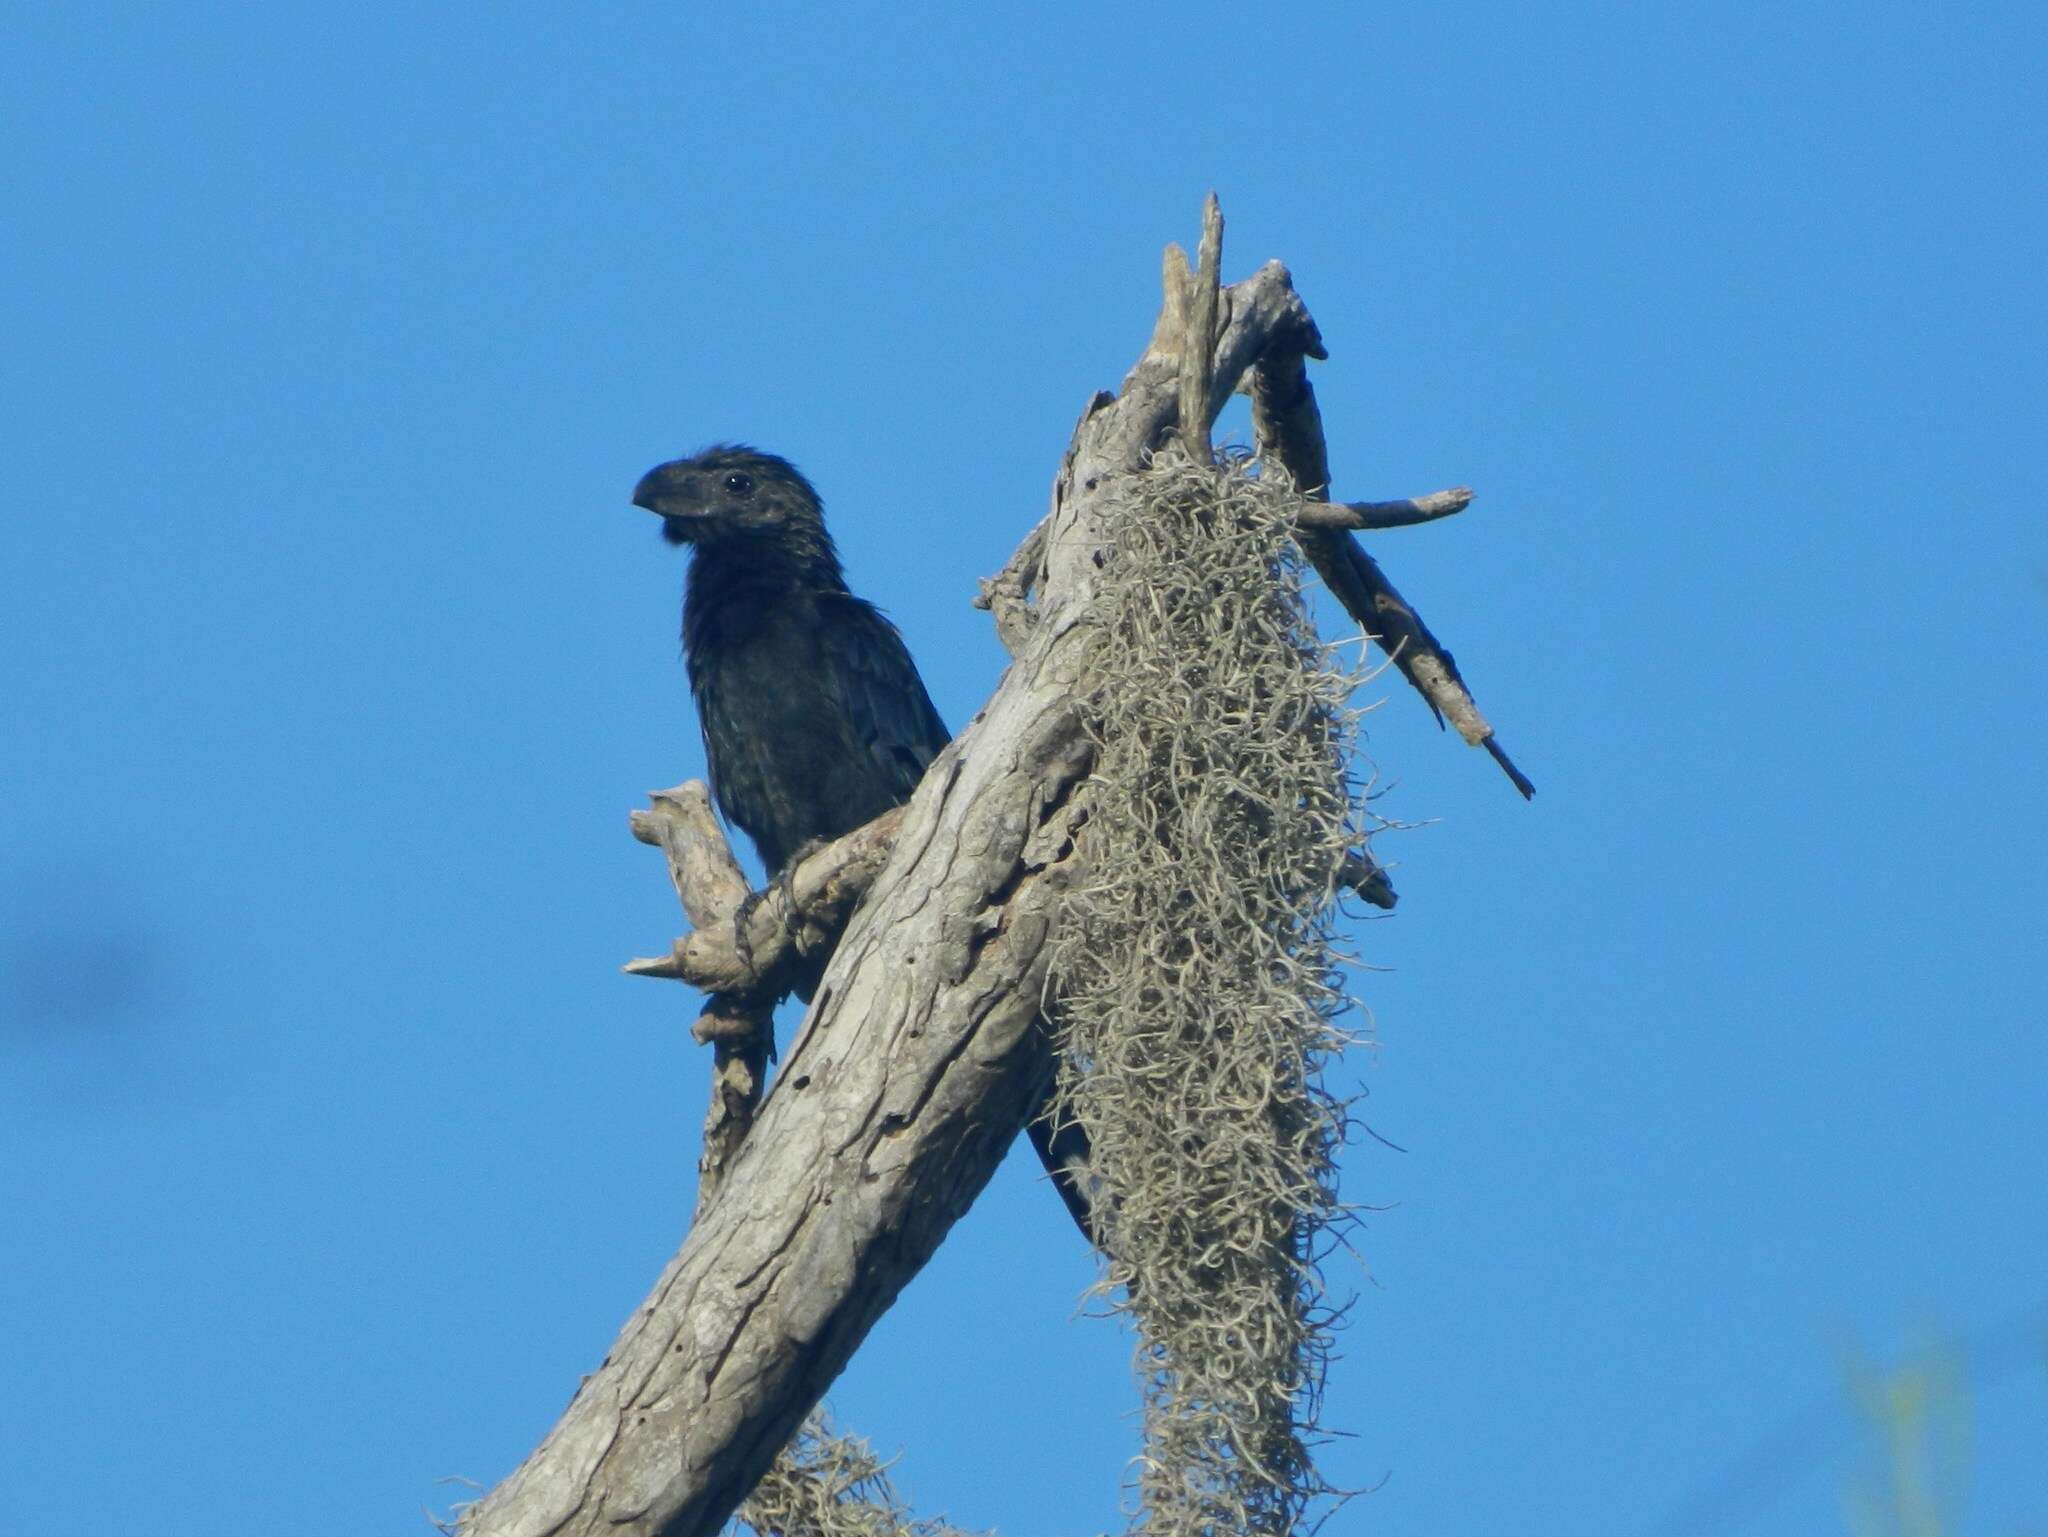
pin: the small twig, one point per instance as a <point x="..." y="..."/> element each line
<point x="1499" y="755"/>
<point x="1367" y="516"/>
<point x="1007" y="594"/>
<point x="1170" y="330"/>
<point x="1198" y="346"/>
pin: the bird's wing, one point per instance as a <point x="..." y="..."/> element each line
<point x="742" y="766"/>
<point x="888" y="712"/>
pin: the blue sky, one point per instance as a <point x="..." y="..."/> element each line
<point x="332" y="1145"/>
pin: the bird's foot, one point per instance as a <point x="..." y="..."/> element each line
<point x="781" y="888"/>
<point x="802" y="852"/>
<point x="742" y="928"/>
<point x="785" y="883"/>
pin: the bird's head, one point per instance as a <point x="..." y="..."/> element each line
<point x="731" y="491"/>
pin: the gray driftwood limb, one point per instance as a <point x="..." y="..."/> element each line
<point x="1007" y="594"/>
<point x="708" y="879"/>
<point x="815" y="1471"/>
<point x="899" y="1097"/>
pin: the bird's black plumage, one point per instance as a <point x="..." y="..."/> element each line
<point x="815" y="719"/>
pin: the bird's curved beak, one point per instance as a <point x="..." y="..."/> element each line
<point x="673" y="498"/>
<point x="648" y="493"/>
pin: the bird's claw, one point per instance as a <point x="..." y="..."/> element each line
<point x="742" y="925"/>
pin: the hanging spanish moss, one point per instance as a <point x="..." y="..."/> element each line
<point x="827" y="1484"/>
<point x="1198" y="992"/>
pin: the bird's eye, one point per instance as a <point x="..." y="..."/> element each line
<point x="739" y="482"/>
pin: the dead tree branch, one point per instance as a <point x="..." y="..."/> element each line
<point x="1007" y="594"/>
<point x="1198" y="363"/>
<point x="1371" y="516"/>
<point x="917" y="1066"/>
<point x="1289" y="430"/>
<point x="741" y="946"/>
<point x="824" y="1482"/>
<point x="923" y="1052"/>
<point x="739" y="1024"/>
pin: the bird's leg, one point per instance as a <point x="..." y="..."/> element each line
<point x="786" y="877"/>
<point x="782" y="889"/>
<point x="793" y="923"/>
<point x="742" y="926"/>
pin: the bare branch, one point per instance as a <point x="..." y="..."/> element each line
<point x="911" y="1078"/>
<point x="1289" y="429"/>
<point x="708" y="879"/>
<point x="1007" y="594"/>
<point x="1378" y="515"/>
<point x="742" y="1038"/>
<point x="1499" y="754"/>
<point x="741" y="950"/>
<point x="1197" y="360"/>
<point x="739" y="1027"/>
<point x="832" y="1481"/>
<point x="1170" y="330"/>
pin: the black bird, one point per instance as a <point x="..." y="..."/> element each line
<point x="815" y="719"/>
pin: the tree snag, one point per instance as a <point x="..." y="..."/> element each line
<point x="924" y="1050"/>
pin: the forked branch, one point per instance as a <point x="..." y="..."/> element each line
<point x="740" y="946"/>
<point x="740" y="1025"/>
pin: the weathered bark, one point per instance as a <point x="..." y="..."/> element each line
<point x="923" y="1053"/>
<point x="823" y="1482"/>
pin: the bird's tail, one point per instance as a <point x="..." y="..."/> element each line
<point x="1062" y="1146"/>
